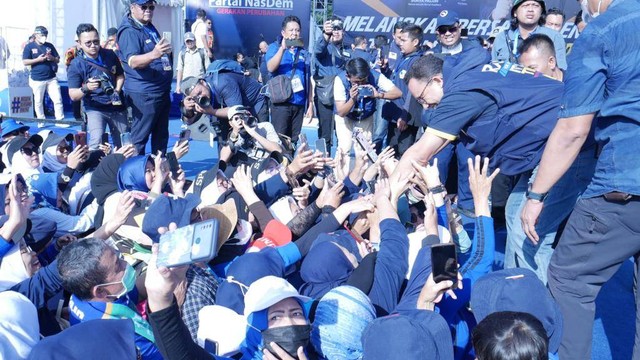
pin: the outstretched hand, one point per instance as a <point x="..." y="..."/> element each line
<point x="480" y="184"/>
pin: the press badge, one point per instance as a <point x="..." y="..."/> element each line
<point x="393" y="55"/>
<point x="296" y="84"/>
<point x="346" y="54"/>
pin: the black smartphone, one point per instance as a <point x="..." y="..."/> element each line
<point x="444" y="263"/>
<point x="185" y="135"/>
<point x="173" y="164"/>
<point x="321" y="145"/>
<point x="294" y="43"/>
<point x="105" y="138"/>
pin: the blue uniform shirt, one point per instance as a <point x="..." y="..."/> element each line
<point x="286" y="66"/>
<point x="236" y="89"/>
<point x="604" y="77"/>
<point x="330" y="58"/>
<point x="81" y="70"/>
<point x="135" y="39"/>
<point x="45" y="70"/>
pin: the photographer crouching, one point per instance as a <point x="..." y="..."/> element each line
<point x="96" y="76"/>
<point x="355" y="92"/>
<point x="249" y="140"/>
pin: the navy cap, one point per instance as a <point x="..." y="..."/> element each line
<point x="176" y="210"/>
<point x="413" y="334"/>
<point x="141" y="2"/>
<point x="446" y="18"/>
<point x="9" y="125"/>
<point x="41" y="30"/>
<point x="518" y="290"/>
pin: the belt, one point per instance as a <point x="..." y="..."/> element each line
<point x="620" y="197"/>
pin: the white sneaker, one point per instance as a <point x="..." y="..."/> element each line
<point x="41" y="125"/>
<point x="62" y="125"/>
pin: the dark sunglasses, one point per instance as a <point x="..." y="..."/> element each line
<point x="445" y="29"/>
<point x="64" y="148"/>
<point x="145" y="7"/>
<point x="92" y="42"/>
<point x="30" y="151"/>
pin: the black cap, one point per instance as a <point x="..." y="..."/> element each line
<point x="18" y="142"/>
<point x="41" y="30"/>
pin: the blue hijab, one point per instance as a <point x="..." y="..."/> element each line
<point x="131" y="174"/>
<point x="324" y="268"/>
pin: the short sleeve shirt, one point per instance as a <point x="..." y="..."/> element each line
<point x="81" y="70"/>
<point x="456" y="111"/>
<point x="286" y="66"/>
<point x="45" y="70"/>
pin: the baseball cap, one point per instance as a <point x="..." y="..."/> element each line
<point x="41" y="30"/>
<point x="275" y="234"/>
<point x="188" y="83"/>
<point x="189" y="36"/>
<point x="517" y="3"/>
<point x="53" y="139"/>
<point x="268" y="291"/>
<point x="177" y="210"/>
<point x="513" y="290"/>
<point x="446" y="18"/>
<point x="237" y="109"/>
<point x="259" y="166"/>
<point x="17" y="143"/>
<point x="141" y="2"/>
<point x="9" y="125"/>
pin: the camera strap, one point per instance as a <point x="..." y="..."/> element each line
<point x="101" y="68"/>
<point x="295" y="62"/>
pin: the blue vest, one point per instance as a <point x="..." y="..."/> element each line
<point x="368" y="104"/>
<point x="528" y="105"/>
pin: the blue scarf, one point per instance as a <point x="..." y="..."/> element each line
<point x="131" y="174"/>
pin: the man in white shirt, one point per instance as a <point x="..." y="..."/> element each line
<point x="192" y="61"/>
<point x="199" y="29"/>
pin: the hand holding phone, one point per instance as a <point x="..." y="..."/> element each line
<point x="105" y="138"/>
<point x="80" y="138"/>
<point x="166" y="35"/>
<point x="174" y="166"/>
<point x="321" y="146"/>
<point x="444" y="263"/>
<point x="125" y="139"/>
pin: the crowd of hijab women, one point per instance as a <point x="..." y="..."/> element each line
<point x="314" y="260"/>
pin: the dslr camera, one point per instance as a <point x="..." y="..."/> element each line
<point x="203" y="101"/>
<point x="365" y="91"/>
<point x="105" y="84"/>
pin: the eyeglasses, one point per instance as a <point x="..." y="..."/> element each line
<point x="26" y="250"/>
<point x="145" y="7"/>
<point x="92" y="42"/>
<point x="30" y="151"/>
<point x="420" y="99"/>
<point x="64" y="148"/>
<point x="448" y="29"/>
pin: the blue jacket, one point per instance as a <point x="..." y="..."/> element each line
<point x="330" y="58"/>
<point x="396" y="109"/>
<point x="368" y="104"/>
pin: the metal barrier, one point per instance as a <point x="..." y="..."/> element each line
<point x="25" y="119"/>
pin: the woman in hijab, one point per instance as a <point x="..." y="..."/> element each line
<point x="24" y="155"/>
<point x="149" y="173"/>
<point x="19" y="328"/>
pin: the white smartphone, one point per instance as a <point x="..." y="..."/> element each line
<point x="125" y="139"/>
<point x="189" y="244"/>
<point x="167" y="36"/>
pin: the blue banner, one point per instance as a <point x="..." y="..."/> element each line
<point x="373" y="17"/>
<point x="240" y="25"/>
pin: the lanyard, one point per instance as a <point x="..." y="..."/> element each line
<point x="517" y="38"/>
<point x="97" y="61"/>
<point x="152" y="33"/>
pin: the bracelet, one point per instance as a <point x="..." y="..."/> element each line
<point x="437" y="189"/>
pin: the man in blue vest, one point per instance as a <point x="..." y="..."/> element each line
<point x="146" y="59"/>
<point x="403" y="124"/>
<point x="355" y="91"/>
<point x="330" y="56"/>
<point x="504" y="112"/>
<point x="603" y="231"/>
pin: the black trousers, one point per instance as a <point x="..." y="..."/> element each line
<point x="326" y="124"/>
<point x="287" y="119"/>
<point x="150" y="118"/>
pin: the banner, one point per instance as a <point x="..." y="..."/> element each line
<point x="240" y="25"/>
<point x="377" y="17"/>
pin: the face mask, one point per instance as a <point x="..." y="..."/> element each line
<point x="128" y="282"/>
<point x="289" y="338"/>
<point x="586" y="15"/>
<point x="41" y="39"/>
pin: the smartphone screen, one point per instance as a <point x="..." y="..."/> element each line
<point x="80" y="138"/>
<point x="174" y="166"/>
<point x="167" y="36"/>
<point x="444" y="263"/>
<point x="185" y="135"/>
<point x="105" y="138"/>
<point x="125" y="139"/>
<point x="189" y="244"/>
<point x="321" y="145"/>
<point x="302" y="139"/>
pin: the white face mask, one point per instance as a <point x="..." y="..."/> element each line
<point x="41" y="39"/>
<point x="586" y="15"/>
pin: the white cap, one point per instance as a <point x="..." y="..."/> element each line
<point x="224" y="326"/>
<point x="268" y="291"/>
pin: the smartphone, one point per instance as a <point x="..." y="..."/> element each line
<point x="294" y="43"/>
<point x="444" y="263"/>
<point x="167" y="36"/>
<point x="105" y="138"/>
<point x="140" y="198"/>
<point x="173" y="164"/>
<point x="185" y="135"/>
<point x="80" y="138"/>
<point x="125" y="139"/>
<point x="211" y="346"/>
<point x="189" y="244"/>
<point x="366" y="145"/>
<point x="321" y="145"/>
<point x="302" y="139"/>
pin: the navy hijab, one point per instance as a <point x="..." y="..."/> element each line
<point x="324" y="268"/>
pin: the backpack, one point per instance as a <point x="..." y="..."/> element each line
<point x="200" y="51"/>
<point x="222" y="66"/>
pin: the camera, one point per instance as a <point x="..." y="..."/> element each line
<point x="365" y="91"/>
<point x="203" y="101"/>
<point x="105" y="84"/>
<point x="336" y="25"/>
<point x="250" y="121"/>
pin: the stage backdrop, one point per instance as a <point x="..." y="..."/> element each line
<point x="372" y="17"/>
<point x="240" y="25"/>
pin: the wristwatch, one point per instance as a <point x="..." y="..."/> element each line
<point x="438" y="189"/>
<point x="65" y="178"/>
<point x="535" y="196"/>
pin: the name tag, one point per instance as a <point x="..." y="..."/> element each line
<point x="34" y="51"/>
<point x="393" y="55"/>
<point x="346" y="54"/>
<point x="147" y="41"/>
<point x="296" y="84"/>
<point x="402" y="74"/>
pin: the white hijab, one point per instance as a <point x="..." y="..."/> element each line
<point x="50" y="160"/>
<point x="12" y="269"/>
<point x="19" y="165"/>
<point x="19" y="327"/>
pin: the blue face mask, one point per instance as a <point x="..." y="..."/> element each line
<point x="128" y="282"/>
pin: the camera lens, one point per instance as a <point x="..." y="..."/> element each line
<point x="204" y="101"/>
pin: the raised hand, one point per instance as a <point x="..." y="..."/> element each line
<point x="480" y="184"/>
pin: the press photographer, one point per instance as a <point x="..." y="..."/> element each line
<point x="96" y="76"/>
<point x="355" y="91"/>
<point x="249" y="140"/>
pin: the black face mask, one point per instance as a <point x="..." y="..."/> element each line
<point x="289" y="338"/>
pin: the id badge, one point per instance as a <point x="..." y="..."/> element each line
<point x="296" y="84"/>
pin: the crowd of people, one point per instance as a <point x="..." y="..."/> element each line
<point x="368" y="251"/>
